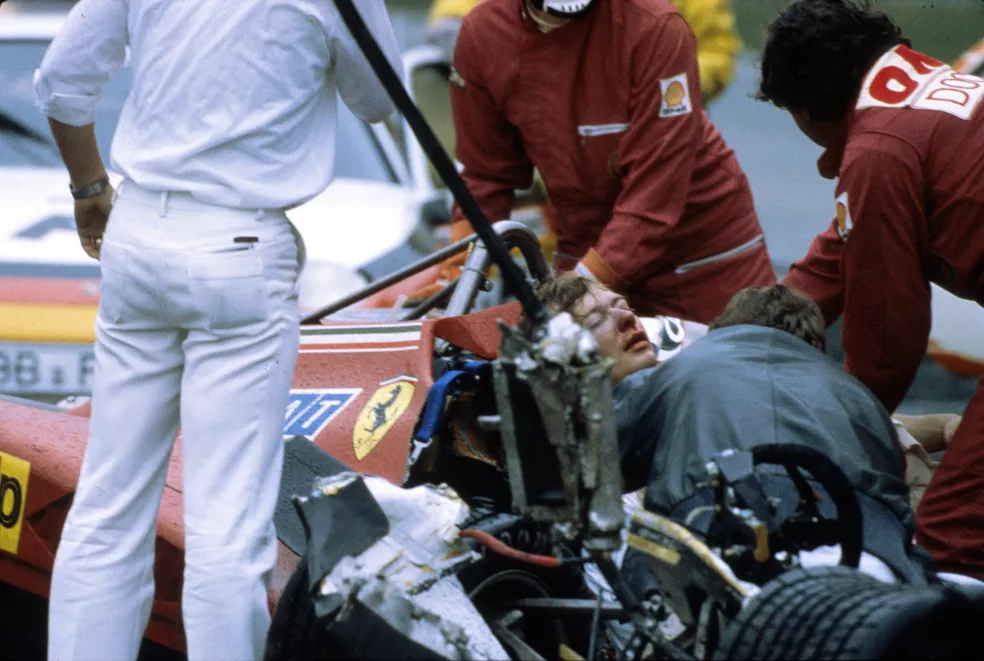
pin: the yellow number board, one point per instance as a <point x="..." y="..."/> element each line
<point x="14" y="475"/>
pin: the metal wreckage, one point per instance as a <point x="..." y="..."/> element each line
<point x="391" y="572"/>
<point x="427" y="572"/>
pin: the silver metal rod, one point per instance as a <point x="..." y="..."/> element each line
<point x="389" y="280"/>
<point x="513" y="233"/>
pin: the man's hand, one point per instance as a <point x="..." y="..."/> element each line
<point x="950" y="428"/>
<point x="91" y="216"/>
<point x="933" y="431"/>
<point x="594" y="266"/>
<point x="78" y="148"/>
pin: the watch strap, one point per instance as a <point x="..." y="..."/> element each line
<point x="92" y="189"/>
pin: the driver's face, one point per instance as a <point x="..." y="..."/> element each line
<point x="618" y="331"/>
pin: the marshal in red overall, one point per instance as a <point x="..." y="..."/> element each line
<point x="904" y="136"/>
<point x="603" y="98"/>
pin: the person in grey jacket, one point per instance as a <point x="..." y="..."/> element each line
<point x="760" y="375"/>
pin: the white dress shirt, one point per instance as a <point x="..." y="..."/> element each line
<point x="232" y="101"/>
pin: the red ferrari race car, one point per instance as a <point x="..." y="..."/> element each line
<point x="412" y="444"/>
<point x="359" y="393"/>
<point x="421" y="427"/>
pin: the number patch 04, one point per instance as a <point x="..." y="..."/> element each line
<point x="904" y="78"/>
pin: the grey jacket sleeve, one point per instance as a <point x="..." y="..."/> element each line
<point x="358" y="85"/>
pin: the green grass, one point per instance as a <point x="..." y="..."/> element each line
<point x="940" y="28"/>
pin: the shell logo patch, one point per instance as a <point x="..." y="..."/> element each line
<point x="675" y="96"/>
<point x="843" y="215"/>
<point x="381" y="412"/>
<point x="14" y="475"/>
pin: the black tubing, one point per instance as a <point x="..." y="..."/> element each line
<point x="828" y="474"/>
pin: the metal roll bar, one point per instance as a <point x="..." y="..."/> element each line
<point x="513" y="233"/>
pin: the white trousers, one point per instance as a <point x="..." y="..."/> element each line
<point x="198" y="328"/>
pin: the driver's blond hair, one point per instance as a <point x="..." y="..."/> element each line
<point x="561" y="294"/>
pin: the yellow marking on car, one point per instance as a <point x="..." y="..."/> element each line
<point x="666" y="554"/>
<point x="654" y="523"/>
<point x="567" y="654"/>
<point x="14" y="476"/>
<point x="380" y="413"/>
<point x="30" y="322"/>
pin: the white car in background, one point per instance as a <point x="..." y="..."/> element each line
<point x="372" y="219"/>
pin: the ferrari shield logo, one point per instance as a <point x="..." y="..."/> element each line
<point x="14" y="474"/>
<point x="381" y="412"/>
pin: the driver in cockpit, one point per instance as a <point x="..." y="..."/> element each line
<point x="760" y="375"/>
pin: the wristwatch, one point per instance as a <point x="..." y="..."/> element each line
<point x="92" y="189"/>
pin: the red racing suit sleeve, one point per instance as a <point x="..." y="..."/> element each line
<point x="489" y="148"/>
<point x="887" y="312"/>
<point x="657" y="155"/>
<point x="818" y="274"/>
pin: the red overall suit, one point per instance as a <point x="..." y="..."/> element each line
<point x="649" y="198"/>
<point x="910" y="211"/>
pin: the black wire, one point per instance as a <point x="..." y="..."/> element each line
<point x="524" y="578"/>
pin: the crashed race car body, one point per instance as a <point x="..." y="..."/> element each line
<point x="363" y="389"/>
<point x="358" y="392"/>
<point x="379" y="585"/>
<point x="394" y="400"/>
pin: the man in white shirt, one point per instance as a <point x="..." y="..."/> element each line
<point x="230" y="120"/>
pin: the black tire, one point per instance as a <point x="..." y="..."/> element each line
<point x="294" y="634"/>
<point x="839" y="613"/>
